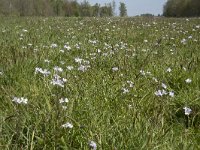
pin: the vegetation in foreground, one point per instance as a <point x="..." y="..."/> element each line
<point x="99" y="83"/>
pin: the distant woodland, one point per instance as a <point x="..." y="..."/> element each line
<point x="68" y="8"/>
<point x="182" y="8"/>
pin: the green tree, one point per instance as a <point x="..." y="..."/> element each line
<point x="122" y="9"/>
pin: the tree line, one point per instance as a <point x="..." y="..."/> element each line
<point x="69" y="8"/>
<point x="182" y="8"/>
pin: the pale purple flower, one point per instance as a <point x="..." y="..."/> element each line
<point x="171" y="93"/>
<point x="187" y="111"/>
<point x="160" y="93"/>
<point x="93" y="145"/>
<point x="57" y="80"/>
<point x="45" y="72"/>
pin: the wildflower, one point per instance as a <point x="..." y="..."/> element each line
<point x="107" y="30"/>
<point x="125" y="90"/>
<point x="54" y="45"/>
<point x="169" y="70"/>
<point x="63" y="100"/>
<point x="1" y="73"/>
<point x="58" y="81"/>
<point x="83" y="68"/>
<point x="145" y="41"/>
<point x="67" y="125"/>
<point x="187" y="111"/>
<point x="47" y="61"/>
<point x="164" y="85"/>
<point x="45" y="72"/>
<point x="64" y="107"/>
<point x="160" y="93"/>
<point x="21" y="100"/>
<point x="188" y="80"/>
<point x="115" y="69"/>
<point x="78" y="60"/>
<point x="93" y="145"/>
<point x="62" y="51"/>
<point x="183" y="41"/>
<point x="142" y="72"/>
<point x="131" y="84"/>
<point x="58" y="69"/>
<point x="171" y="94"/>
<point x="70" y="67"/>
<point x="67" y="47"/>
<point x="24" y="30"/>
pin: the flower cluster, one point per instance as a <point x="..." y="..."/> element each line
<point x="20" y="100"/>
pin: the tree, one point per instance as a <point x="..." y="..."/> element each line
<point x="113" y="8"/>
<point x="122" y="9"/>
<point x="181" y="8"/>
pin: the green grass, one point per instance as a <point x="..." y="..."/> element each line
<point x="98" y="109"/>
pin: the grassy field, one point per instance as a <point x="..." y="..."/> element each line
<point x="99" y="83"/>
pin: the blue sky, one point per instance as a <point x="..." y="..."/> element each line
<point x="137" y="7"/>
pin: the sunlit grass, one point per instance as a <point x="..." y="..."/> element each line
<point x="126" y="82"/>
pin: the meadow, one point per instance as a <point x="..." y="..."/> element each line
<point x="100" y="83"/>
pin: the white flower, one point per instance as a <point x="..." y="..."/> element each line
<point x="67" y="47"/>
<point x="160" y="93"/>
<point x="70" y="67"/>
<point x="54" y="45"/>
<point x="93" y="145"/>
<point x="142" y="72"/>
<point x="188" y="80"/>
<point x="171" y="94"/>
<point x="1" y="73"/>
<point x="169" y="70"/>
<point x="125" y="90"/>
<point x="24" y="30"/>
<point x="183" y="41"/>
<point x="83" y="68"/>
<point x="58" y="81"/>
<point x="78" y="60"/>
<point x="21" y="100"/>
<point x="145" y="41"/>
<point x="58" y="69"/>
<point x="187" y="111"/>
<point x="47" y="61"/>
<point x="164" y="85"/>
<point x="131" y="84"/>
<point x="63" y="100"/>
<point x="115" y="69"/>
<point x="62" y="51"/>
<point x="45" y="72"/>
<point x="67" y="125"/>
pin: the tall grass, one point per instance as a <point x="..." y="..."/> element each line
<point x="111" y="71"/>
